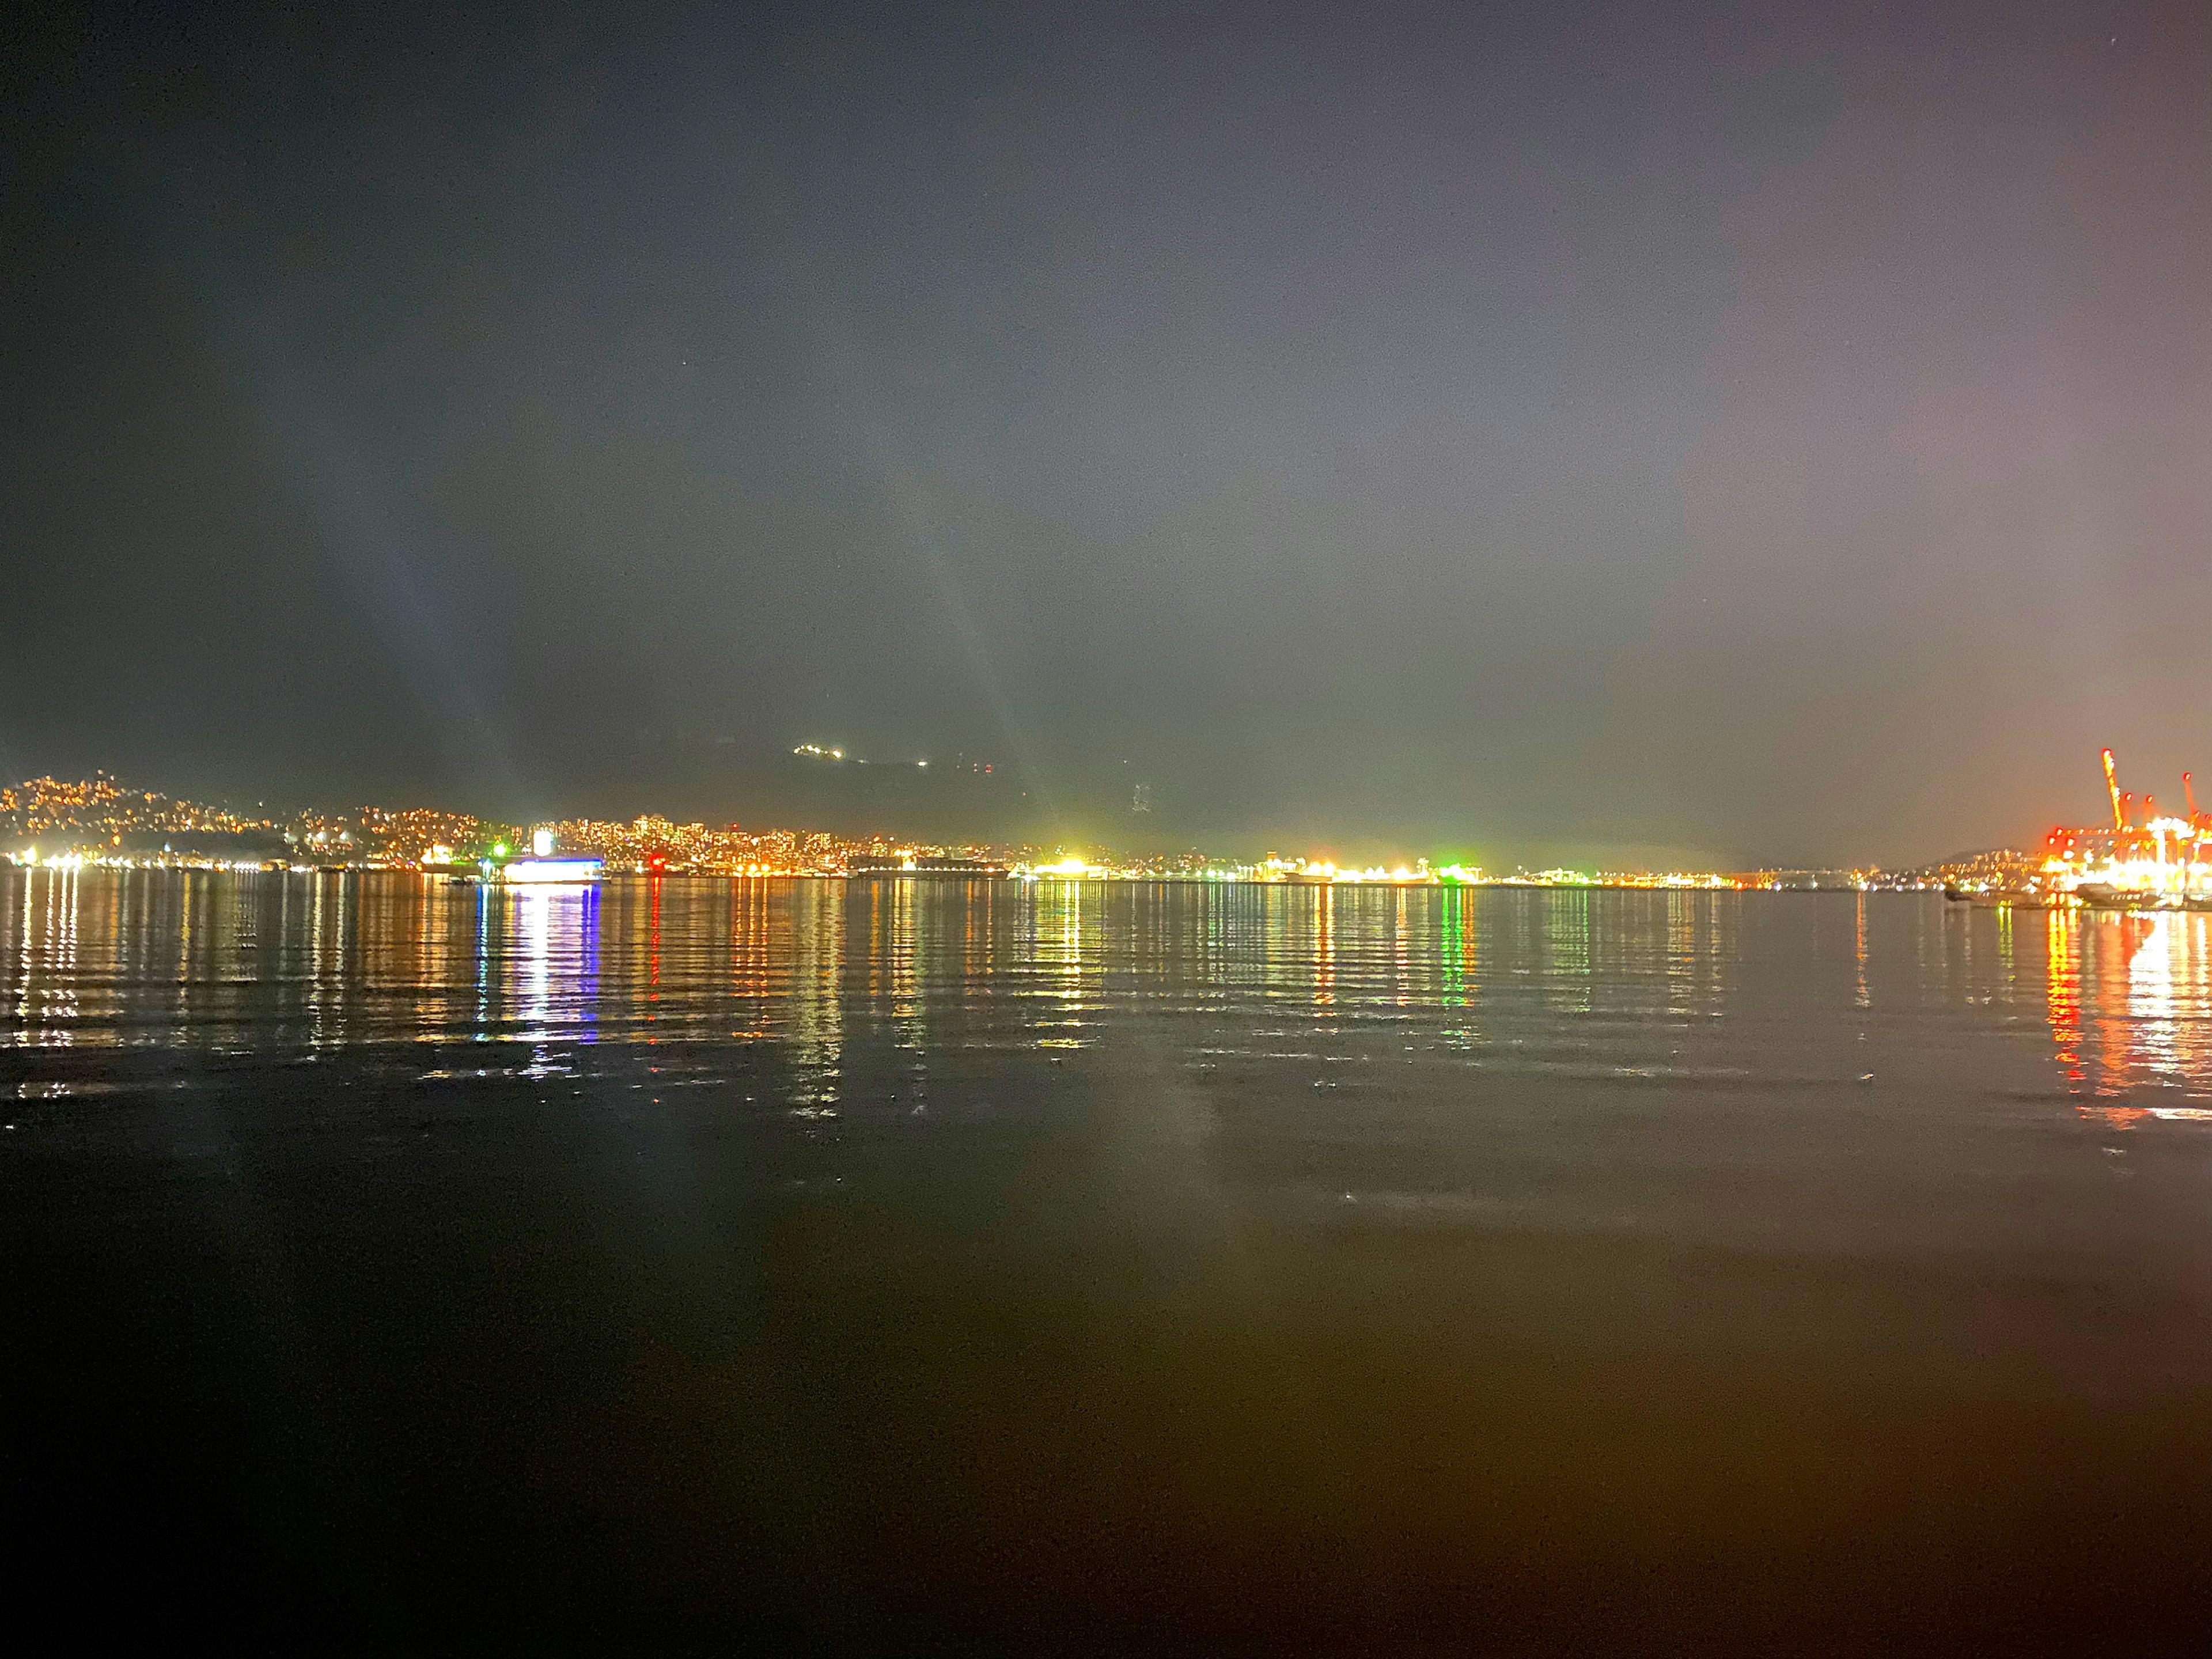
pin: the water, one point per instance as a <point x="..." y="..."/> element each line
<point x="1117" y="1268"/>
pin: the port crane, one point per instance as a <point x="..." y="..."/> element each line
<point x="2161" y="862"/>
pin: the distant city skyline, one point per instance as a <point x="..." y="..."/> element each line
<point x="102" y="819"/>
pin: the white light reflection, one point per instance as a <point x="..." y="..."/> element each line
<point x="817" y="1018"/>
<point x="554" y="975"/>
<point x="2150" y="999"/>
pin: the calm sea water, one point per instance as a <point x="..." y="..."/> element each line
<point x="1064" y="1267"/>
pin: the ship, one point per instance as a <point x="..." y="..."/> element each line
<point x="1991" y="899"/>
<point x="907" y="866"/>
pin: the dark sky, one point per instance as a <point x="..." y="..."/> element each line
<point x="1743" y="433"/>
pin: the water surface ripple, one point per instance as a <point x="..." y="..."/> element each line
<point x="992" y="1266"/>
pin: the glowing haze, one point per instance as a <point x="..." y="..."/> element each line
<point x="1629" y="431"/>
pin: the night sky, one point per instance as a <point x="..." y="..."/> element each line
<point x="1726" y="433"/>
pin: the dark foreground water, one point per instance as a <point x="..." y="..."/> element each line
<point x="713" y="1264"/>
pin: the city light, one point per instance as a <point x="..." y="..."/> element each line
<point x="2163" y="863"/>
<point x="548" y="871"/>
<point x="2154" y="861"/>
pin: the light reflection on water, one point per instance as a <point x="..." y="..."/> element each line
<point x="2130" y="1009"/>
<point x="1756" y="1253"/>
<point x="1633" y="983"/>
